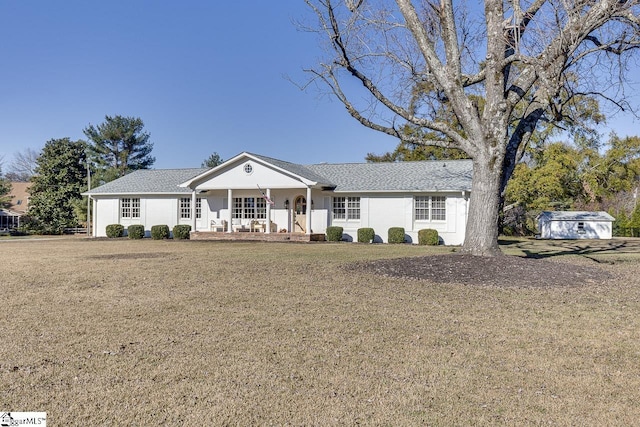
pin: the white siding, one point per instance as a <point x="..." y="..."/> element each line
<point x="158" y="210"/>
<point x="383" y="211"/>
<point x="236" y="178"/>
<point x="107" y="212"/>
<point x="570" y="229"/>
<point x="379" y="212"/>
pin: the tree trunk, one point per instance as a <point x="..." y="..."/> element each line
<point x="481" y="236"/>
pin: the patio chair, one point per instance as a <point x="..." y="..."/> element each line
<point x="218" y="225"/>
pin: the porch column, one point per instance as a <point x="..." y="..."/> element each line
<point x="229" y="211"/>
<point x="268" y="227"/>
<point x="308" y="219"/>
<point x="193" y="210"/>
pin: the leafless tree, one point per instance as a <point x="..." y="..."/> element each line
<point x="23" y="166"/>
<point x="501" y="70"/>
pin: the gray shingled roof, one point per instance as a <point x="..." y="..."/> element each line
<point x="451" y="175"/>
<point x="149" y="181"/>
<point x="300" y="170"/>
<point x="576" y="216"/>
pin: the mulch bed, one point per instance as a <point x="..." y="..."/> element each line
<point x="501" y="271"/>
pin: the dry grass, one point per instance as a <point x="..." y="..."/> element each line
<point x="203" y="333"/>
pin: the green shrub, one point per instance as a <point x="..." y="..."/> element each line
<point x="396" y="235"/>
<point x="334" y="234"/>
<point x="159" y="232"/>
<point x="115" y="230"/>
<point x="135" y="231"/>
<point x="428" y="236"/>
<point x="181" y="231"/>
<point x="366" y="235"/>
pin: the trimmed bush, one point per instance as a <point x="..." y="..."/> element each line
<point x="135" y="231"/>
<point x="159" y="232"/>
<point x="428" y="236"/>
<point x="396" y="235"/>
<point x="366" y="235"/>
<point x="334" y="234"/>
<point x="181" y="231"/>
<point x="115" y="230"/>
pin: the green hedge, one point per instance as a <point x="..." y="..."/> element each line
<point x="396" y="235"/>
<point x="135" y="231"/>
<point x="366" y="235"/>
<point x="181" y="231"/>
<point x="428" y="237"/>
<point x="159" y="232"/>
<point x="115" y="230"/>
<point x="334" y="234"/>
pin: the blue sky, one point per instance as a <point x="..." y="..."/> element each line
<point x="204" y="76"/>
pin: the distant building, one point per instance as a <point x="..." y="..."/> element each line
<point x="18" y="204"/>
<point x="575" y="225"/>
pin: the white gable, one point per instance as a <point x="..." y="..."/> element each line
<point x="249" y="173"/>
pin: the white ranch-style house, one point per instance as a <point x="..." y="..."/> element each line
<point x="255" y="193"/>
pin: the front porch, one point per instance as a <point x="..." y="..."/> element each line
<point x="257" y="236"/>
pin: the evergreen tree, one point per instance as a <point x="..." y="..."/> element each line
<point x="212" y="161"/>
<point x="118" y="146"/>
<point x="60" y="178"/>
<point x="5" y="189"/>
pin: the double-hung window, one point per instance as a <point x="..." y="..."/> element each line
<point x="198" y="208"/>
<point x="236" y="210"/>
<point x="129" y="208"/>
<point x="430" y="208"/>
<point x="261" y="208"/>
<point x="346" y="208"/>
<point x="185" y="208"/>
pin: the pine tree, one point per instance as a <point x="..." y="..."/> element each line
<point x="118" y="146"/>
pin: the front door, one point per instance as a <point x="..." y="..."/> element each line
<point x="300" y="215"/>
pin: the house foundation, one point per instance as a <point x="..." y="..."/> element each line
<point x="257" y="236"/>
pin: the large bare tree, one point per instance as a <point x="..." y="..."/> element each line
<point x="23" y="166"/>
<point x="502" y="68"/>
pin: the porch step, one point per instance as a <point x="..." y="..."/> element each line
<point x="261" y="237"/>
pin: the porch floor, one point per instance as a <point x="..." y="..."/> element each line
<point x="257" y="236"/>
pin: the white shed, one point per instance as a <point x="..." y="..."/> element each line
<point x="575" y="225"/>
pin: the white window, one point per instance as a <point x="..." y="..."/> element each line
<point x="261" y="208"/>
<point x="347" y="208"/>
<point x="430" y="208"/>
<point x="339" y="208"/>
<point x="236" y="210"/>
<point x="129" y="208"/>
<point x="353" y="208"/>
<point x="249" y="208"/>
<point x="421" y="207"/>
<point x="438" y="208"/>
<point x="198" y="208"/>
<point x="185" y="208"/>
